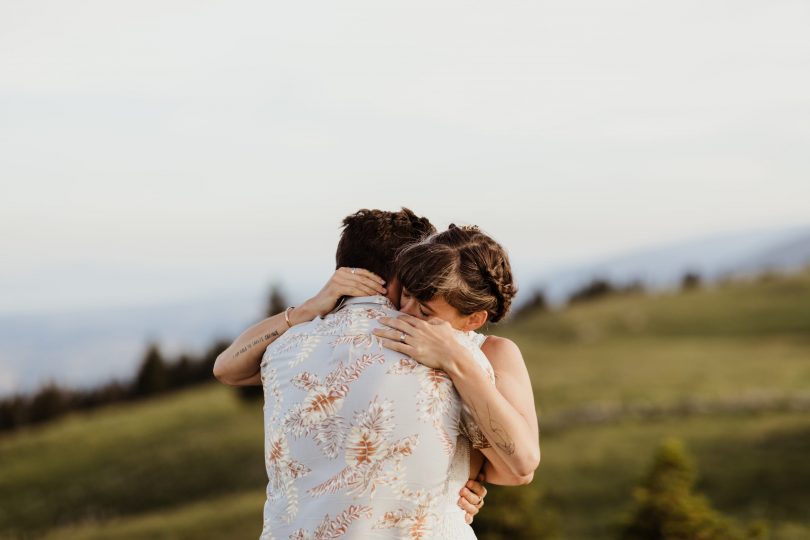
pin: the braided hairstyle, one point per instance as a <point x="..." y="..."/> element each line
<point x="465" y="266"/>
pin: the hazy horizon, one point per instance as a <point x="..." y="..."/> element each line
<point x="160" y="151"/>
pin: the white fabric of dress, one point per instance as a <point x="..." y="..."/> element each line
<point x="450" y="526"/>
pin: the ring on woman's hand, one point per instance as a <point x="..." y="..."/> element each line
<point x="402" y="337"/>
<point x="354" y="270"/>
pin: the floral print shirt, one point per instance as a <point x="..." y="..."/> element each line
<point x="360" y="440"/>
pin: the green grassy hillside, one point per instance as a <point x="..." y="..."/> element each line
<point x="727" y="369"/>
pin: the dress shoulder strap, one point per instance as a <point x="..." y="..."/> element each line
<point x="478" y="338"/>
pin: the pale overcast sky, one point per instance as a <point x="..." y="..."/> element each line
<point x="171" y="149"/>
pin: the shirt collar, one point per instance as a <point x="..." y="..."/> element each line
<point x="376" y="299"/>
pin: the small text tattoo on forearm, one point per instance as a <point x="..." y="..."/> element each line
<point x="259" y="340"/>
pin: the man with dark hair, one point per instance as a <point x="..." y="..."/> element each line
<point x="372" y="238"/>
<point x="360" y="441"/>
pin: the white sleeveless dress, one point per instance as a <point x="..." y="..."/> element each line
<point x="453" y="526"/>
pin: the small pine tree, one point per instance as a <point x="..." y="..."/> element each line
<point x="537" y="303"/>
<point x="690" y="280"/>
<point x="276" y="302"/>
<point x="597" y="288"/>
<point x="153" y="376"/>
<point x="667" y="509"/>
<point x="49" y="402"/>
<point x="13" y="412"/>
<point x="181" y="372"/>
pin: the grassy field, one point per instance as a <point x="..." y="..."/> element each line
<point x="189" y="465"/>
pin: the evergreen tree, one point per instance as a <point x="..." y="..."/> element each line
<point x="667" y="509"/>
<point x="690" y="280"/>
<point x="153" y="376"/>
<point x="537" y="303"/>
<point x="49" y="402"/>
<point x="597" y="288"/>
<point x="276" y="302"/>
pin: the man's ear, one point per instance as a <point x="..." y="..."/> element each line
<point x="393" y="289"/>
<point x="475" y="321"/>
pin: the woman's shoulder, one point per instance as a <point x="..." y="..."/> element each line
<point x="501" y="350"/>
<point x="498" y="342"/>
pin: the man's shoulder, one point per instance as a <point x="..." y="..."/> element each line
<point x="351" y="319"/>
<point x="341" y="326"/>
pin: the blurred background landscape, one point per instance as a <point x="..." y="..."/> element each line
<point x="172" y="172"/>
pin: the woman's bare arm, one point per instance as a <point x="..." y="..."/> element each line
<point x="512" y="380"/>
<point x="512" y="430"/>
<point x="239" y="364"/>
<point x="509" y="424"/>
<point x="502" y="476"/>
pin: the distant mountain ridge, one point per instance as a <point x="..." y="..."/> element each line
<point x="88" y="347"/>
<point x="712" y="257"/>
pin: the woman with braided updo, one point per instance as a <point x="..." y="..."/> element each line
<point x="454" y="282"/>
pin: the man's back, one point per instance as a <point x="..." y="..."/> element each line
<point x="359" y="439"/>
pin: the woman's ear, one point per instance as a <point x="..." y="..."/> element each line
<point x="475" y="321"/>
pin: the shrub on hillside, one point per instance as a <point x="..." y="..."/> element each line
<point x="276" y="301"/>
<point x="536" y="303"/>
<point x="49" y="402"/>
<point x="597" y="288"/>
<point x="690" y="280"/>
<point x="516" y="513"/>
<point x="667" y="509"/>
<point x="600" y="288"/>
<point x="153" y="376"/>
<point x="13" y="412"/>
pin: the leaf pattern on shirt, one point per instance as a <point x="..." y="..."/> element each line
<point x="334" y="528"/>
<point x="317" y="413"/>
<point x="323" y="369"/>
<point x="359" y="340"/>
<point x="414" y="524"/>
<point x="282" y="470"/>
<point x="308" y="345"/>
<point x="435" y="397"/>
<point x="372" y="459"/>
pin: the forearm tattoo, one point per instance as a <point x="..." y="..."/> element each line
<point x="267" y="338"/>
<point x="469" y="428"/>
<point x="505" y="443"/>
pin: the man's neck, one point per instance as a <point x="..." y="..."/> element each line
<point x="378" y="299"/>
<point x="393" y="289"/>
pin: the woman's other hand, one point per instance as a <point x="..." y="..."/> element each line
<point x="344" y="282"/>
<point x="430" y="343"/>
<point x="472" y="498"/>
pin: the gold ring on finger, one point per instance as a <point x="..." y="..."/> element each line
<point x="402" y="337"/>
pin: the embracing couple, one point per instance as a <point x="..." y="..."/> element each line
<point x="384" y="409"/>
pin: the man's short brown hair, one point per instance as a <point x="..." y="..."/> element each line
<point x="371" y="239"/>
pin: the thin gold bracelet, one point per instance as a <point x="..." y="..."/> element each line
<point x="287" y="316"/>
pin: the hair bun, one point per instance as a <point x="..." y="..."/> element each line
<point x="464" y="265"/>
